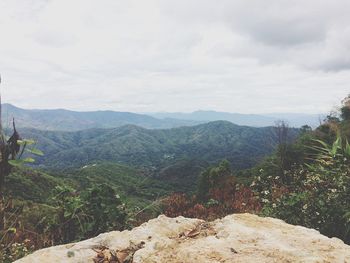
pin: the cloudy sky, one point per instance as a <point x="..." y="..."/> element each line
<point x="247" y="56"/>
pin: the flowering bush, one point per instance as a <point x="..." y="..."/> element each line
<point x="14" y="251"/>
<point x="318" y="195"/>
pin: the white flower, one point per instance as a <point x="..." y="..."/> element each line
<point x="265" y="200"/>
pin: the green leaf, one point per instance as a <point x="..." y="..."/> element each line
<point x="28" y="160"/>
<point x="336" y="145"/>
<point x="21" y="142"/>
<point x="35" y="151"/>
<point x="12" y="230"/>
<point x="67" y="214"/>
<point x="25" y="142"/>
<point x="347" y="149"/>
<point x="16" y="162"/>
<point x="325" y="145"/>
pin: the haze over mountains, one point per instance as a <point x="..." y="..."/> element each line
<point x="256" y="120"/>
<point x="66" y="120"/>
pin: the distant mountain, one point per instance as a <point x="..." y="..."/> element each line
<point x="153" y="149"/>
<point x="65" y="120"/>
<point x="256" y="120"/>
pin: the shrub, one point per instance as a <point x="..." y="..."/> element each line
<point x="318" y="195"/>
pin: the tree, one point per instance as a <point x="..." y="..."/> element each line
<point x="305" y="129"/>
<point x="345" y="109"/>
<point x="203" y="186"/>
<point x="211" y="178"/>
<point x="105" y="210"/>
<point x="281" y="132"/>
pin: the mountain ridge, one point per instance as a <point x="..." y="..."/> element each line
<point x="68" y="120"/>
<point x="142" y="147"/>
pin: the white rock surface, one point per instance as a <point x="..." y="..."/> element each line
<point x="235" y="238"/>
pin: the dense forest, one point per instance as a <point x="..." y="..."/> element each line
<point x="142" y="147"/>
<point x="62" y="187"/>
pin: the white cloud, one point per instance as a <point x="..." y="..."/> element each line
<point x="161" y="55"/>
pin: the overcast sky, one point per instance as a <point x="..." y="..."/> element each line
<point x="249" y="56"/>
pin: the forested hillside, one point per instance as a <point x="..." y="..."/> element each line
<point x="132" y="145"/>
<point x="131" y="184"/>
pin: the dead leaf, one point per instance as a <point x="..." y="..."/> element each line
<point x="122" y="255"/>
<point x="193" y="233"/>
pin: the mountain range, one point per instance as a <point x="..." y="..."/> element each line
<point x="243" y="146"/>
<point x="176" y="156"/>
<point x="66" y="120"/>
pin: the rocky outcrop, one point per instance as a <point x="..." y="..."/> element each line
<point x="235" y="238"/>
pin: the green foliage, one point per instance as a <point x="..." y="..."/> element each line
<point x="133" y="185"/>
<point x="212" y="176"/>
<point x="317" y="195"/>
<point x="33" y="185"/>
<point x="204" y="186"/>
<point x="182" y="175"/>
<point x="345" y="109"/>
<point x="96" y="210"/>
<point x="70" y="217"/>
<point x="106" y="210"/>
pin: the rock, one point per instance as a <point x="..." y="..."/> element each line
<point x="235" y="238"/>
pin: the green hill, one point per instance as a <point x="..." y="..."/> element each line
<point x="151" y="149"/>
<point x="32" y="185"/>
<point x="131" y="184"/>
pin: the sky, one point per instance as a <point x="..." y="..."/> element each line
<point x="247" y="56"/>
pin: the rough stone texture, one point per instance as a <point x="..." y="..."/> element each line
<point x="235" y="238"/>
